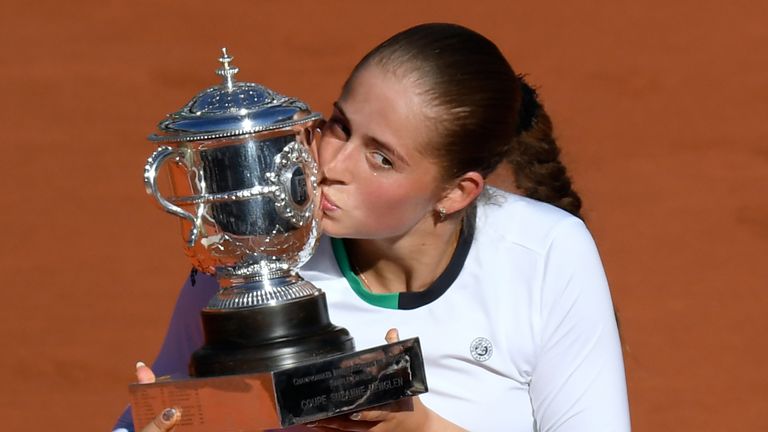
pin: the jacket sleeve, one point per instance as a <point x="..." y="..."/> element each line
<point x="185" y="332"/>
<point x="578" y="383"/>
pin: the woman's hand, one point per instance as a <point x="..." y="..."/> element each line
<point x="167" y="419"/>
<point x="402" y="416"/>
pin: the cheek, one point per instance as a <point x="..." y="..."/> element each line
<point x="395" y="206"/>
<point x="379" y="209"/>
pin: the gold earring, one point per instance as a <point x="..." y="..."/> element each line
<point x="442" y="212"/>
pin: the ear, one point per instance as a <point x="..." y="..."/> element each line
<point x="464" y="191"/>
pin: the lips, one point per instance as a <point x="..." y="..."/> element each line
<point x="327" y="204"/>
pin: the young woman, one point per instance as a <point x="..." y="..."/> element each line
<point x="506" y="293"/>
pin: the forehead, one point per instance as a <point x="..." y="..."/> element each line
<point x="390" y="107"/>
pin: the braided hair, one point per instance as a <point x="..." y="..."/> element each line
<point x="535" y="157"/>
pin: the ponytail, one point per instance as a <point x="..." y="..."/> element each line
<point x="535" y="157"/>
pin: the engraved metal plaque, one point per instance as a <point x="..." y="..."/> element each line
<point x="302" y="393"/>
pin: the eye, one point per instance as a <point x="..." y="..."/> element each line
<point x="380" y="160"/>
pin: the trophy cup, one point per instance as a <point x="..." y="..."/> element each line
<point x="245" y="188"/>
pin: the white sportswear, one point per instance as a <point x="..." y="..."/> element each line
<point x="518" y="334"/>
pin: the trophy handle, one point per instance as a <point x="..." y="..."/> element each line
<point x="158" y="158"/>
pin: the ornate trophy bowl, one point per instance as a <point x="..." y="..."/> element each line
<point x="244" y="186"/>
<point x="243" y="183"/>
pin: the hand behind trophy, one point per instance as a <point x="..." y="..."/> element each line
<point x="165" y="421"/>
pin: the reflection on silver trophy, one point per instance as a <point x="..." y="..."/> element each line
<point x="245" y="188"/>
<point x="244" y="184"/>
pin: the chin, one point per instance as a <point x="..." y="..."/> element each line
<point x="331" y="229"/>
<point x="337" y="230"/>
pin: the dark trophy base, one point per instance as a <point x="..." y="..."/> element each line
<point x="268" y="338"/>
<point x="274" y="366"/>
<point x="301" y="393"/>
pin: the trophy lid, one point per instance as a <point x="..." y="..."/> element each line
<point x="232" y="108"/>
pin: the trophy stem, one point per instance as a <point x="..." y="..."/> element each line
<point x="244" y="293"/>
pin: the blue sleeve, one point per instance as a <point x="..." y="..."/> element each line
<point x="184" y="335"/>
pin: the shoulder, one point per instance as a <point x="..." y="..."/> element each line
<point x="551" y="247"/>
<point x="525" y="223"/>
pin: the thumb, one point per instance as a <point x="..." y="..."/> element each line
<point x="144" y="375"/>
<point x="392" y="336"/>
<point x="166" y="421"/>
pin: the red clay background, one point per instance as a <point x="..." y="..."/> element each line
<point x="660" y="107"/>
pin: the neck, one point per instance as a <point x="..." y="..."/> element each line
<point x="411" y="262"/>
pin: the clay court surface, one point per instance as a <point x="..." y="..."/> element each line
<point x="661" y="108"/>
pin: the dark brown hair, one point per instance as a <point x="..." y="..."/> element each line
<point x="484" y="113"/>
<point x="535" y="157"/>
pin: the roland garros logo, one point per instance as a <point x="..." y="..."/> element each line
<point x="481" y="349"/>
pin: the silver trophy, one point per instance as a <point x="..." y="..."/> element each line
<point x="245" y="188"/>
<point x="244" y="184"/>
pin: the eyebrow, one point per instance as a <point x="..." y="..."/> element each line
<point x="338" y="108"/>
<point x="391" y="150"/>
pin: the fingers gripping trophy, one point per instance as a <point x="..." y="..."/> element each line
<point x="244" y="185"/>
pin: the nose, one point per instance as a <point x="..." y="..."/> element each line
<point x="334" y="157"/>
